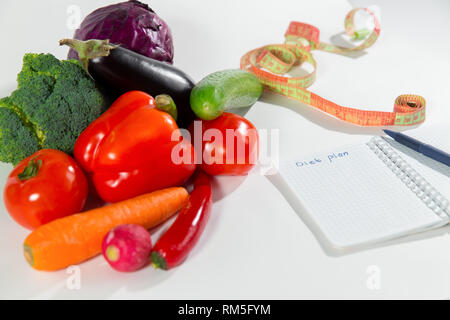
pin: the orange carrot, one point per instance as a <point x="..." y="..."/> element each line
<point x="73" y="239"/>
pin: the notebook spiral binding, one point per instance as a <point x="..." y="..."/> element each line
<point x="411" y="178"/>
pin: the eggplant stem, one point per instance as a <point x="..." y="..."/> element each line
<point x="89" y="49"/>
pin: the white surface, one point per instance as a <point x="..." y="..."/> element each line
<point x="255" y="245"/>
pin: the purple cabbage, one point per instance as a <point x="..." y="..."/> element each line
<point x="131" y="24"/>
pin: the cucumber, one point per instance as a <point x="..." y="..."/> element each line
<point x="224" y="90"/>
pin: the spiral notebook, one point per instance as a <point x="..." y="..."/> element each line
<point x="374" y="191"/>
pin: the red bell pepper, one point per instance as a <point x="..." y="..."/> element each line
<point x="175" y="244"/>
<point x="127" y="151"/>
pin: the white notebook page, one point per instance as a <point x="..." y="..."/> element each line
<point x="354" y="198"/>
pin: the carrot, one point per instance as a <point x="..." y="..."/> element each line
<point x="73" y="239"/>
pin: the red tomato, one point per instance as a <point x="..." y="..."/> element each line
<point x="229" y="144"/>
<point x="43" y="187"/>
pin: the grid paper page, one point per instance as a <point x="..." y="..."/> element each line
<point x="436" y="173"/>
<point x="354" y="198"/>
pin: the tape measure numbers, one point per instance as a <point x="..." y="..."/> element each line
<point x="300" y="40"/>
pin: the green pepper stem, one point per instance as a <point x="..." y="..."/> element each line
<point x="89" y="49"/>
<point x="165" y="103"/>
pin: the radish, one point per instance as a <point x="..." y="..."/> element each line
<point x="127" y="247"/>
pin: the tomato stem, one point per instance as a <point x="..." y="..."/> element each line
<point x="31" y="170"/>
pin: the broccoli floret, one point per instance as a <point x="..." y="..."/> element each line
<point x="54" y="102"/>
<point x="16" y="140"/>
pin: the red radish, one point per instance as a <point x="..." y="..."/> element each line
<point x="127" y="247"/>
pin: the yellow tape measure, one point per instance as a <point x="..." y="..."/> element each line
<point x="270" y="62"/>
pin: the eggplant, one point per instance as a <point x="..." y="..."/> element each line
<point x="122" y="70"/>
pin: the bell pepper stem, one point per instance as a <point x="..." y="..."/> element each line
<point x="165" y="103"/>
<point x="89" y="49"/>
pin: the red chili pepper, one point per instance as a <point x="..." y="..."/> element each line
<point x="175" y="244"/>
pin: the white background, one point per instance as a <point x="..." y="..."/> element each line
<point x="255" y="245"/>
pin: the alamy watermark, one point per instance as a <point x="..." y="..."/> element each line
<point x="73" y="17"/>
<point x="73" y="282"/>
<point x="373" y="281"/>
<point x="259" y="147"/>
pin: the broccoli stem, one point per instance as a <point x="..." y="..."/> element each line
<point x="89" y="49"/>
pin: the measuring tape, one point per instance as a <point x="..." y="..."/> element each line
<point x="300" y="40"/>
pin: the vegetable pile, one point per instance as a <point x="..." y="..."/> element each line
<point x="70" y="148"/>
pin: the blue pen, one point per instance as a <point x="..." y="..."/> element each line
<point x="418" y="146"/>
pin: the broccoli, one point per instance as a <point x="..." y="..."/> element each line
<point x="53" y="103"/>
